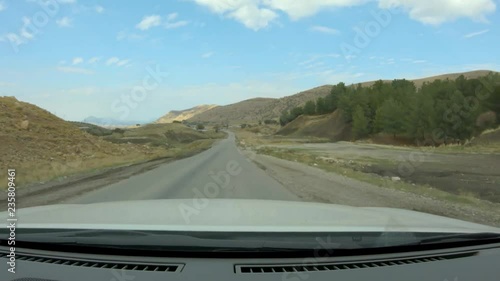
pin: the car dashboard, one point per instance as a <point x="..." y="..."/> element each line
<point x="464" y="263"/>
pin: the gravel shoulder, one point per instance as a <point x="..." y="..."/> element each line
<point x="314" y="184"/>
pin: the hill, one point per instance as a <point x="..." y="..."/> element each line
<point x="258" y="109"/>
<point x="112" y="122"/>
<point x="331" y="126"/>
<point x="92" y="129"/>
<point x="451" y="76"/>
<point x="42" y="146"/>
<point x="181" y="115"/>
<point x="168" y="135"/>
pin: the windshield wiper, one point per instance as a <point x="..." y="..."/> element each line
<point x="461" y="237"/>
<point x="132" y="239"/>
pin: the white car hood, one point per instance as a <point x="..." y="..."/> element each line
<point x="237" y="215"/>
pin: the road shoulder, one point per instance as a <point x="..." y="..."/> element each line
<point x="314" y="184"/>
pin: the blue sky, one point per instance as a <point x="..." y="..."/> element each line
<point x="136" y="60"/>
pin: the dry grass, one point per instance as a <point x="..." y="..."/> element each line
<point x="41" y="146"/>
<point x="264" y="135"/>
<point x="346" y="169"/>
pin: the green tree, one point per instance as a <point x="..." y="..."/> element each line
<point x="390" y="118"/>
<point x="419" y="120"/>
<point x="321" y="106"/>
<point x="200" y="127"/>
<point x="309" y="108"/>
<point x="359" y="123"/>
<point x="296" y="112"/>
<point x="284" y="118"/>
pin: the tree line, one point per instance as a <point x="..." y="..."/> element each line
<point x="448" y="110"/>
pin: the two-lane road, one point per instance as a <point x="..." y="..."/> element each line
<point x="220" y="172"/>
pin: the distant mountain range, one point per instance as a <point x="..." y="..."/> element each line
<point x="107" y="122"/>
<point x="181" y="115"/>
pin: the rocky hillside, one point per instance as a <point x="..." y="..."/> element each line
<point x="42" y="146"/>
<point x="181" y="115"/>
<point x="254" y="110"/>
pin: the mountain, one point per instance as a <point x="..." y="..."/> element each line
<point x="43" y="146"/>
<point x="451" y="76"/>
<point x="111" y="122"/>
<point x="258" y="109"/>
<point x="181" y="115"/>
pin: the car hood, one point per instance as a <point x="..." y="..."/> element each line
<point x="237" y="215"/>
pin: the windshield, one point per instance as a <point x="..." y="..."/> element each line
<point x="225" y="126"/>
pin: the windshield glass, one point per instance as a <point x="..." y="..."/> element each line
<point x="222" y="124"/>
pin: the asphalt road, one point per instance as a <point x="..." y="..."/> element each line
<point x="220" y="172"/>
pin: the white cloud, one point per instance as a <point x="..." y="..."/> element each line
<point x="256" y="14"/>
<point x="66" y="1"/>
<point x="2" y="6"/>
<point x="300" y="9"/>
<point x="253" y="17"/>
<point x="324" y="29"/>
<point x="172" y="16"/>
<point x="99" y="9"/>
<point x="62" y="62"/>
<point x="177" y="24"/>
<point x="77" y="60"/>
<point x="172" y="24"/>
<point x="112" y="60"/>
<point x="94" y="60"/>
<point x="148" y="22"/>
<point x="419" y="61"/>
<point x="122" y="62"/>
<point x="474" y="34"/>
<point x="435" y="13"/>
<point x="64" y="22"/>
<point x="248" y="12"/>
<point x="77" y="70"/>
<point x="118" y="62"/>
<point x="207" y="55"/>
<point x="24" y="34"/>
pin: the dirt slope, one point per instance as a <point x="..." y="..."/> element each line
<point x="331" y="126"/>
<point x="40" y="145"/>
<point x="181" y="115"/>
